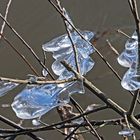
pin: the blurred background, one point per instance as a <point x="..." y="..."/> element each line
<point x="38" y="22"/>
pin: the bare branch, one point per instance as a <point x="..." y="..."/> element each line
<point x="112" y="48"/>
<point x="6" y="14"/>
<point x="27" y="45"/>
<point x="22" y="56"/>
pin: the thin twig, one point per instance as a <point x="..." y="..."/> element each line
<point x="103" y="97"/>
<point x="100" y="55"/>
<point x="11" y="123"/>
<point x="112" y="48"/>
<point x="6" y="14"/>
<point x="93" y="131"/>
<point x="27" y="45"/>
<point x="75" y="51"/>
<point x="43" y="81"/>
<point x="62" y="124"/>
<point x="77" y="65"/>
<point x="133" y="103"/>
<point x="21" y="55"/>
<point x="55" y="128"/>
<point x="123" y="33"/>
<point x="72" y="133"/>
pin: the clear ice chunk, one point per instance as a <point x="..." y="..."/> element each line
<point x="34" y="102"/>
<point x="36" y="122"/>
<point x="32" y="78"/>
<point x="64" y="42"/>
<point x="57" y="67"/>
<point x="72" y="87"/>
<point x="6" y="86"/>
<point x="131" y="79"/>
<point x="128" y="56"/>
<point x="86" y="64"/>
<point x="76" y="87"/>
<point x="126" y="132"/>
<point x="44" y="73"/>
<point x="62" y="49"/>
<point x="62" y="53"/>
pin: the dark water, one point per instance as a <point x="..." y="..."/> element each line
<point x="37" y="22"/>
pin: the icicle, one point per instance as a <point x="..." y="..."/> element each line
<point x="6" y="86"/>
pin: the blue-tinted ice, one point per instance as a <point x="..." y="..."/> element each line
<point x="62" y="50"/>
<point x="128" y="56"/>
<point x="63" y="42"/>
<point x="131" y="79"/>
<point x="35" y="101"/>
<point x="6" y="86"/>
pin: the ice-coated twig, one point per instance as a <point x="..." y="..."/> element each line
<point x="134" y="10"/>
<point x="44" y="72"/>
<point x="76" y="62"/>
<point x="41" y="81"/>
<point x="103" y="97"/>
<point x="6" y="14"/>
<point x="75" y="51"/>
<point x="100" y="55"/>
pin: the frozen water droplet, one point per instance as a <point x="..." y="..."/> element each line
<point x="32" y="78"/>
<point x="92" y="107"/>
<point x="129" y="55"/>
<point x="126" y="132"/>
<point x="6" y="86"/>
<point x="131" y="79"/>
<point x="44" y="73"/>
<point x="5" y="105"/>
<point x="36" y="122"/>
<point x="57" y="67"/>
